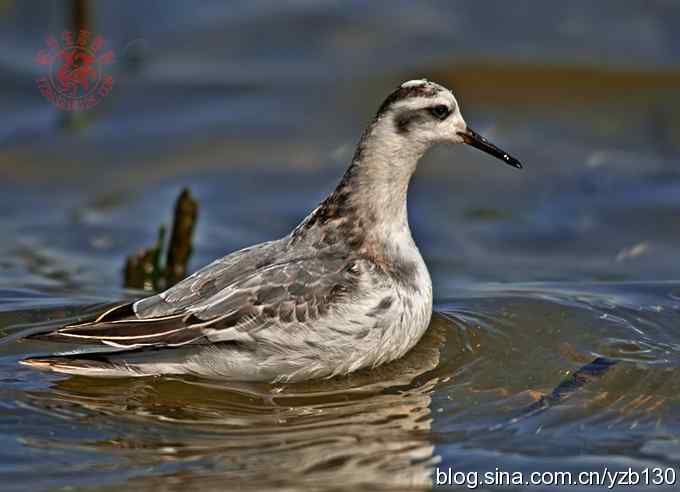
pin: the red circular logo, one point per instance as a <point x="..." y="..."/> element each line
<point x="76" y="78"/>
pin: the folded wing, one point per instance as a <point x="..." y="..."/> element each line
<point x="298" y="291"/>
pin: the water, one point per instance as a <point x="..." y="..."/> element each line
<point x="257" y="108"/>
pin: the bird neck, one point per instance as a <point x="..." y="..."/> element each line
<point x="376" y="183"/>
<point x="367" y="210"/>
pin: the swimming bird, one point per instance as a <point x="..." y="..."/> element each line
<point x="346" y="289"/>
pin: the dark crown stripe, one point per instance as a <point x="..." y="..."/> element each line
<point x="423" y="90"/>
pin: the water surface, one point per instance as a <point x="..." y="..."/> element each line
<point x="257" y="108"/>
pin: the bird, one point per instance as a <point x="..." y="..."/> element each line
<point x="346" y="289"/>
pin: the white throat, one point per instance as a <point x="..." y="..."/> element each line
<point x="381" y="172"/>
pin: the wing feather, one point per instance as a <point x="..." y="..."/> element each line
<point x="127" y="331"/>
<point x="297" y="291"/>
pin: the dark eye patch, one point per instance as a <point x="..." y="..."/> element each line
<point x="440" y="111"/>
<point x="407" y="118"/>
<point x="404" y="120"/>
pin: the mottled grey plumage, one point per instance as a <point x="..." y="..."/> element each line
<point x="345" y="289"/>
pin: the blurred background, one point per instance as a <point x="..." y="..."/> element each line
<point x="257" y="107"/>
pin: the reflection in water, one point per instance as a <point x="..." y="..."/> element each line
<point x="369" y="428"/>
<point x="489" y="356"/>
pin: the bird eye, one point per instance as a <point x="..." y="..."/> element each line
<point x="440" y="111"/>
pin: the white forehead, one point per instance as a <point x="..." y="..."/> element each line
<point x="425" y="84"/>
<point x="414" y="83"/>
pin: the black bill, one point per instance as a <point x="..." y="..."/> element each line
<point x="473" y="138"/>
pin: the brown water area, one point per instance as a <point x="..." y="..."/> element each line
<point x="256" y="107"/>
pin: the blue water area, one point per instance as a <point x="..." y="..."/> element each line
<point x="257" y="107"/>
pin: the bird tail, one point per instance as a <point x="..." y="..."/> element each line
<point x="137" y="362"/>
<point x="85" y="364"/>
